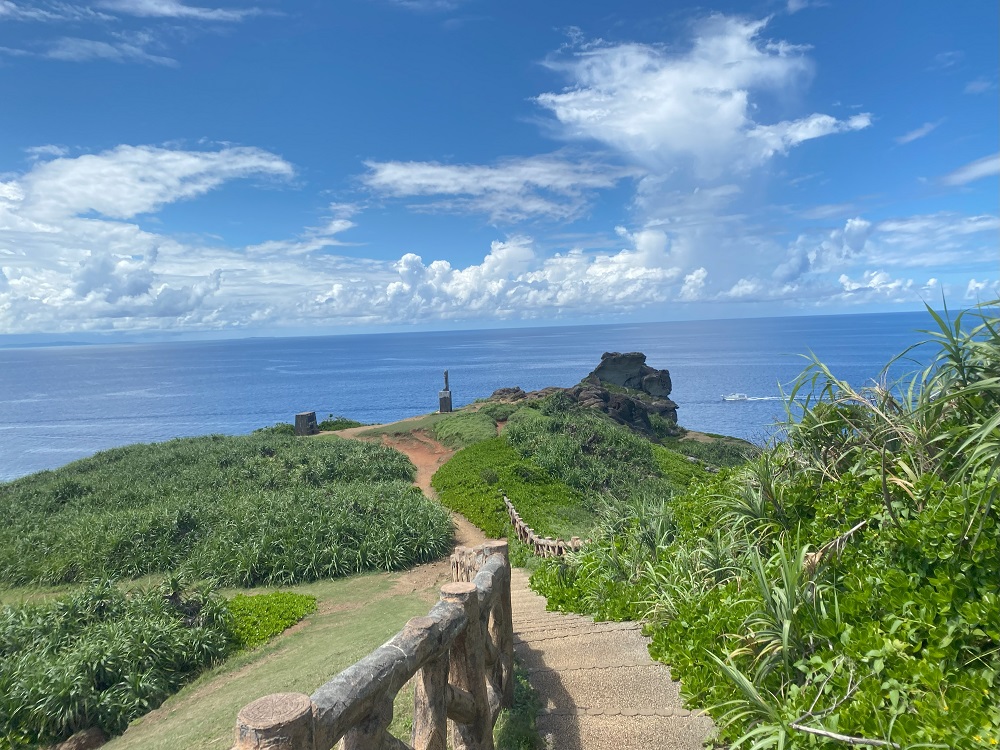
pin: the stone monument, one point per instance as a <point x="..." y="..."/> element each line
<point x="305" y="423"/>
<point x="444" y="397"/>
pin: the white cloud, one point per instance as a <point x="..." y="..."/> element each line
<point x="926" y="129"/>
<point x="979" y="86"/>
<point x="516" y="189"/>
<point x="131" y="180"/>
<point x="175" y="9"/>
<point x="694" y="285"/>
<point x="54" y="11"/>
<point x="74" y="49"/>
<point x="47" y="150"/>
<point x="975" y="289"/>
<point x="430" y="6"/>
<point x="985" y="167"/>
<point x="664" y="108"/>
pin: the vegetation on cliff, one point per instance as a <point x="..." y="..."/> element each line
<point x="258" y="509"/>
<point x="840" y="588"/>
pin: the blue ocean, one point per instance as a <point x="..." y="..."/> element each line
<point x="58" y="404"/>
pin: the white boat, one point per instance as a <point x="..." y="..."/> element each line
<point x="736" y="397"/>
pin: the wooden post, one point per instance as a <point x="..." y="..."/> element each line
<point x="501" y="629"/>
<point x="467" y="670"/>
<point x="282" y="721"/>
<point x="430" y="698"/>
<point x="370" y="733"/>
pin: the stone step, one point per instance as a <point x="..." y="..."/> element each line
<point x="583" y="650"/>
<point x="641" y="688"/>
<point x="585" y="732"/>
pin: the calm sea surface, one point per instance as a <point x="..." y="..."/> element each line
<point x="63" y="403"/>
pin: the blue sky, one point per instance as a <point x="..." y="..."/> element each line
<point x="249" y="168"/>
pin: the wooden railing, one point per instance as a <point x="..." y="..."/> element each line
<point x="540" y="546"/>
<point x="461" y="654"/>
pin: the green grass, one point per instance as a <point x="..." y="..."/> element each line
<point x="474" y="480"/>
<point x="355" y="616"/>
<point x="457" y="429"/>
<point x="264" y="508"/>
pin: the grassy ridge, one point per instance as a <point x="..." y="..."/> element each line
<point x="264" y="508"/>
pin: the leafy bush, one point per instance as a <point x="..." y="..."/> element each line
<point x="250" y="510"/>
<point x="332" y="424"/>
<point x="101" y="657"/>
<point x="842" y="583"/>
<point x="260" y="617"/>
<point x="281" y="428"/>
<point x="499" y="411"/>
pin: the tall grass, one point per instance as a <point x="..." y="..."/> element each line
<point x="259" y="509"/>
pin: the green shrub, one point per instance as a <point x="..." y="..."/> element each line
<point x="281" y="428"/>
<point x="463" y="428"/>
<point x="332" y="423"/>
<point x="260" y="509"/>
<point x="474" y="480"/>
<point x="499" y="411"/>
<point x="844" y="581"/>
<point x="260" y="617"/>
<point x="101" y="657"/>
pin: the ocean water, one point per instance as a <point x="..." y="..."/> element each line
<point x="59" y="404"/>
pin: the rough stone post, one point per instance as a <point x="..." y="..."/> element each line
<point x="430" y="697"/>
<point x="468" y="670"/>
<point x="444" y="397"/>
<point x="283" y="721"/>
<point x="305" y="423"/>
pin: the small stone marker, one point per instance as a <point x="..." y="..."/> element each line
<point x="305" y="423"/>
<point x="444" y="397"/>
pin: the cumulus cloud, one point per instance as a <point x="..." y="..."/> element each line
<point x="988" y="166"/>
<point x="542" y="186"/>
<point x="694" y="285"/>
<point x="665" y="108"/>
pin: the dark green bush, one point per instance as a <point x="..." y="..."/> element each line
<point x="101" y="657"/>
<point x="332" y="423"/>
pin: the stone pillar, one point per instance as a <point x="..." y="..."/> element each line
<point x="305" y="423"/>
<point x="444" y="397"/>
<point x="275" y="722"/>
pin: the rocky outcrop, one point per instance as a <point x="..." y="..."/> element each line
<point x="623" y="386"/>
<point x="631" y="371"/>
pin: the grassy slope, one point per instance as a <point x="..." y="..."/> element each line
<point x="246" y="510"/>
<point x="355" y="616"/>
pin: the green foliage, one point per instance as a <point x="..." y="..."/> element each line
<point x="259" y="509"/>
<point x="498" y="411"/>
<point x="101" y="657"/>
<point x="581" y="447"/>
<point x="332" y="424"/>
<point x="258" y="618"/>
<point x="722" y="451"/>
<point x="515" y="728"/>
<point x="463" y="428"/>
<point x="474" y="480"/>
<point x="842" y="582"/>
<point x="281" y="428"/>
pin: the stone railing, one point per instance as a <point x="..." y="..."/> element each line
<point x="540" y="546"/>
<point x="461" y="656"/>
